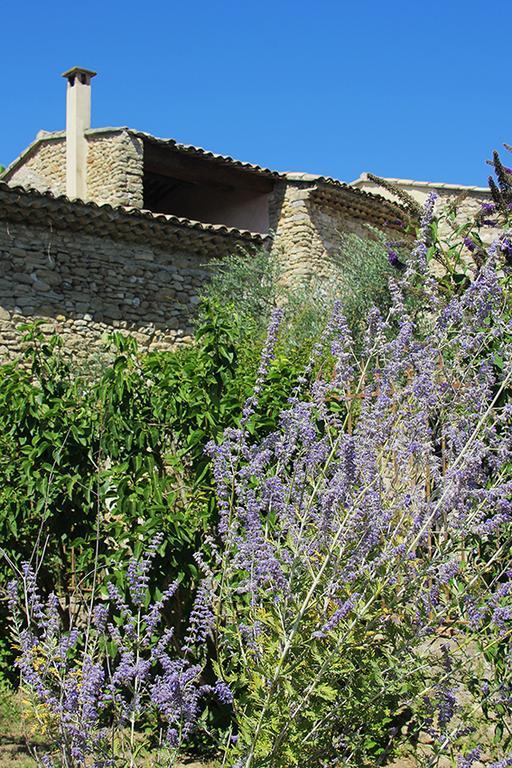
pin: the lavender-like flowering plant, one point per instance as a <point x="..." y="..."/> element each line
<point x="351" y="540"/>
<point x="98" y="685"/>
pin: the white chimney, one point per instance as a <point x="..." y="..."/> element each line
<point x="78" y="120"/>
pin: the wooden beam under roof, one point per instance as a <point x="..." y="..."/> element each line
<point x="167" y="161"/>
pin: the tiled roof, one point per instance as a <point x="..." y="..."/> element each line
<point x="363" y="179"/>
<point x="353" y="198"/>
<point x="39" y="207"/>
<point x="43" y="136"/>
<point x="359" y="203"/>
<point x="277" y="175"/>
<point x="189" y="149"/>
<point x="308" y="178"/>
<point x="328" y="181"/>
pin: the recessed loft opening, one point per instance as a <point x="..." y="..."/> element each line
<point x="203" y="189"/>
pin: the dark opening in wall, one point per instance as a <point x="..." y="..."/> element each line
<point x="204" y="190"/>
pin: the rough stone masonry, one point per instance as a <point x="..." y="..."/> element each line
<point x="85" y="271"/>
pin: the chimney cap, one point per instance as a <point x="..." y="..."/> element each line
<point x="77" y="71"/>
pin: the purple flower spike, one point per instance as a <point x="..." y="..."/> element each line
<point x="394" y="260"/>
<point x="470" y="244"/>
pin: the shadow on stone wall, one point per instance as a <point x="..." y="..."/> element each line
<point x="85" y="287"/>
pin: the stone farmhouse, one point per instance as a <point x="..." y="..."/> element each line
<point x="112" y="228"/>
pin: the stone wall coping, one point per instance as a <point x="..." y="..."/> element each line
<point x="357" y="202"/>
<point x="363" y="179"/>
<point x="63" y="213"/>
<point x="327" y="182"/>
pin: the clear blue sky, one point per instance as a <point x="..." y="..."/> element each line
<point x="401" y="88"/>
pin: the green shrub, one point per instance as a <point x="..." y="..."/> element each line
<point x="89" y="470"/>
<point x="358" y="275"/>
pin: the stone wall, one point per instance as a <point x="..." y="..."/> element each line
<point x="114" y="168"/>
<point x="293" y="230"/>
<point x="86" y="271"/>
<point x="43" y="166"/>
<point x="309" y="220"/>
<point x="467" y="206"/>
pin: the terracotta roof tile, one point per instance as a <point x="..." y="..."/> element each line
<point x="363" y="179"/>
<point x="362" y="200"/>
<point x="77" y="211"/>
<point x="192" y="150"/>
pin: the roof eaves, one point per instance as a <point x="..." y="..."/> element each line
<point x="124" y="213"/>
<point x="207" y="154"/>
